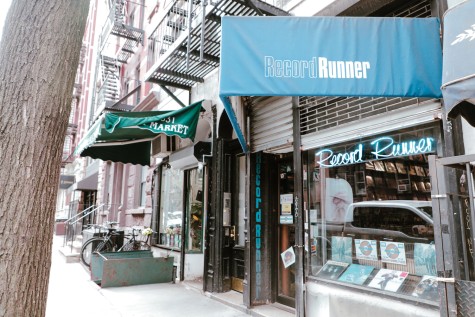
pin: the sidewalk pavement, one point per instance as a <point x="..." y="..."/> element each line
<point x="72" y="293"/>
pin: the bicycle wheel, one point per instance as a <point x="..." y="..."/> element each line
<point x="87" y="249"/>
<point x="135" y="246"/>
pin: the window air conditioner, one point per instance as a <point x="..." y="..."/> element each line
<point x="163" y="145"/>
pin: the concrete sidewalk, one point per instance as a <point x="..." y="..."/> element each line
<point x="73" y="294"/>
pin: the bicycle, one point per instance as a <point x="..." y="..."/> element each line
<point x="133" y="244"/>
<point x="102" y="244"/>
<point x="108" y="243"/>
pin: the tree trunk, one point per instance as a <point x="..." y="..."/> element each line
<point x="39" y="55"/>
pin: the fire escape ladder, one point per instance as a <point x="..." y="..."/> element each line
<point x="110" y="88"/>
<point x="131" y="35"/>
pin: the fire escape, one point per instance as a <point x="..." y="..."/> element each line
<point x="112" y="92"/>
<point x="186" y="43"/>
<point x="69" y="141"/>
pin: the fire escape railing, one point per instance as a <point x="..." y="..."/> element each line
<point x="184" y="47"/>
<point x="172" y="25"/>
<point x="116" y="25"/>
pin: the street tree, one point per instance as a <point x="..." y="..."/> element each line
<point x="39" y="55"/>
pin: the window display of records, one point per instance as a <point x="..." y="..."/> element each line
<point x="428" y="186"/>
<point x="388" y="280"/>
<point x="369" y="180"/>
<point x="390" y="167"/>
<point x="427" y="288"/>
<point x="420" y="171"/>
<point x="378" y="165"/>
<point x="369" y="165"/>
<point x="332" y="269"/>
<point x="401" y="169"/>
<point x="421" y="186"/>
<point x="356" y="274"/>
<point x="393" y="252"/>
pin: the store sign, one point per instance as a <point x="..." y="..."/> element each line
<point x="65" y="181"/>
<point x="381" y="148"/>
<point x="330" y="56"/>
<point x="258" y="222"/>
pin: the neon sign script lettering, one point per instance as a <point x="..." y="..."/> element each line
<point x="329" y="159"/>
<point x="384" y="147"/>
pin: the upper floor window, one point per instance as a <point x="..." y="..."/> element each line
<point x="143" y="183"/>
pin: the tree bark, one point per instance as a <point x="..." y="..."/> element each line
<point x="39" y="55"/>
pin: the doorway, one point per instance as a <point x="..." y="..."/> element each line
<point x="286" y="234"/>
<point x="238" y="221"/>
<point x="454" y="217"/>
<point x="88" y="201"/>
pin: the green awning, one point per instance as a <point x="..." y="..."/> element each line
<point x="126" y="136"/>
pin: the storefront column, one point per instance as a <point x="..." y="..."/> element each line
<point x="299" y="219"/>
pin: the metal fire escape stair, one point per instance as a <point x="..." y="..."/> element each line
<point x="110" y="80"/>
<point x="116" y="25"/>
<point x="186" y="43"/>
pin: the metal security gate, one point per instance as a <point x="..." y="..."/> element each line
<point x="454" y="217"/>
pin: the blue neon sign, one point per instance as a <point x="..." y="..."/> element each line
<point x="381" y="148"/>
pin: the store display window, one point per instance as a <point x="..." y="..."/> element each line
<point x="181" y="202"/>
<point x="194" y="210"/>
<point x="171" y="208"/>
<point x="370" y="215"/>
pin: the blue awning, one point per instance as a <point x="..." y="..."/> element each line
<point x="458" y="76"/>
<point x="329" y="56"/>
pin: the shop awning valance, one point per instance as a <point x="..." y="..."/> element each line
<point x="329" y="56"/>
<point x="126" y="136"/>
<point x="458" y="80"/>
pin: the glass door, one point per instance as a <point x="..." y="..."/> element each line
<point x="238" y="265"/>
<point x="286" y="235"/>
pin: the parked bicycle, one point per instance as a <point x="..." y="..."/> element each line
<point x="106" y="243"/>
<point x="134" y="244"/>
<point x="109" y="242"/>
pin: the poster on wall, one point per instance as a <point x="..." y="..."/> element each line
<point x="288" y="257"/>
<point x="427" y="288"/>
<point x="393" y="252"/>
<point x="424" y="259"/>
<point x="388" y="280"/>
<point x="286" y="209"/>
<point x="341" y="249"/>
<point x="286" y="199"/>
<point x="366" y="249"/>
<point x="338" y="197"/>
<point x="332" y="269"/>
<point x="356" y="274"/>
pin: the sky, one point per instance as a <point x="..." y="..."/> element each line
<point x="4" y="6"/>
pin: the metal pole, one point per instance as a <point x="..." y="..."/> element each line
<point x="190" y="8"/>
<point x="203" y="17"/>
<point x="470" y="202"/>
<point x="298" y="208"/>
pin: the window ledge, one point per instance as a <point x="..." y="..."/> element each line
<point x="135" y="211"/>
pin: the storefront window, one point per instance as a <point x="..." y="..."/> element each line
<point x="171" y="208"/>
<point x="194" y="210"/>
<point x="370" y="214"/>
